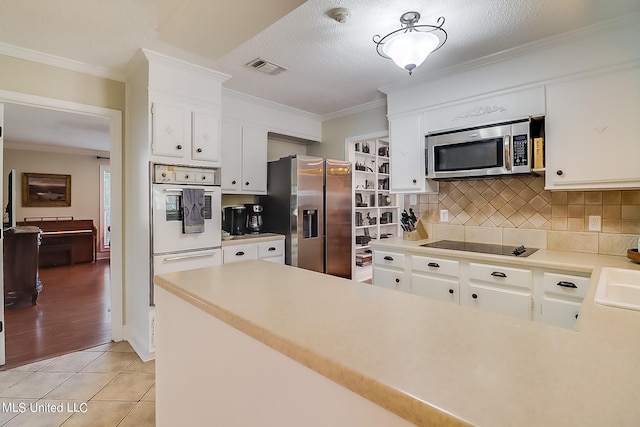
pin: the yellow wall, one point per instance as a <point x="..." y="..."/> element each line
<point x="22" y="76"/>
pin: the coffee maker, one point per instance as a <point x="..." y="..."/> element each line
<point x="234" y="220"/>
<point x="253" y="223"/>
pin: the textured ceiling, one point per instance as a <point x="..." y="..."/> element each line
<point x="331" y="67"/>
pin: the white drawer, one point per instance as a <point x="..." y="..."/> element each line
<point x="270" y="249"/>
<point x="565" y="285"/>
<point x="447" y="267"/>
<point x="438" y="288"/>
<point x="388" y="259"/>
<point x="500" y="275"/>
<point x="236" y="253"/>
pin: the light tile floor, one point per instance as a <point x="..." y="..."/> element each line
<point x="105" y="386"/>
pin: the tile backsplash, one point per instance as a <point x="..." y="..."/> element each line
<point x="519" y="210"/>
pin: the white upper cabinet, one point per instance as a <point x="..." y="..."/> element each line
<point x="182" y="133"/>
<point x="205" y="136"/>
<point x="406" y="151"/>
<point x="593" y="132"/>
<point x="244" y="158"/>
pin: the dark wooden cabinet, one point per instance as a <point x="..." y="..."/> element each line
<point x="21" y="252"/>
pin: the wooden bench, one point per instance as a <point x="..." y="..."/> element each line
<point x="65" y="241"/>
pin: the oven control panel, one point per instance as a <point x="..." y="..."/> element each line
<point x="173" y="174"/>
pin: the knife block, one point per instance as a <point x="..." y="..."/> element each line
<point x="419" y="233"/>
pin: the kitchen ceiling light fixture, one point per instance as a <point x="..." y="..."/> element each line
<point x="410" y="45"/>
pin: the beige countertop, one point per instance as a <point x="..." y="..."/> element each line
<point x="435" y="363"/>
<point x="252" y="238"/>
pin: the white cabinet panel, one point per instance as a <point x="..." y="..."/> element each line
<point x="390" y="278"/>
<point x="388" y="259"/>
<point x="500" y="300"/>
<point x="237" y="253"/>
<point x="435" y="287"/>
<point x="500" y="275"/>
<point x="558" y="312"/>
<point x="592" y="131"/>
<point x="406" y="151"/>
<point x="271" y="249"/>
<point x="186" y="261"/>
<point x="205" y="137"/>
<point x="169" y="130"/>
<point x="435" y="265"/>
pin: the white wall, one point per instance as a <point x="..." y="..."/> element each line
<point x="85" y="181"/>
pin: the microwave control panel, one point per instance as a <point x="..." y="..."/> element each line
<point x="520" y="150"/>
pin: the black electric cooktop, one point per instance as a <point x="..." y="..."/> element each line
<point x="485" y="248"/>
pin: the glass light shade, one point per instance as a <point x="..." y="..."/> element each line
<point x="410" y="49"/>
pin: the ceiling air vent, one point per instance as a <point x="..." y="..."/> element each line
<point x="265" y="66"/>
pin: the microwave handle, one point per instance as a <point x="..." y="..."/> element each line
<point x="507" y="152"/>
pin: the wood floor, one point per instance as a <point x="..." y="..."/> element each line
<point x="72" y="313"/>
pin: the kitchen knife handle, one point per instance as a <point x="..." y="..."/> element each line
<point x="565" y="284"/>
<point x="498" y="274"/>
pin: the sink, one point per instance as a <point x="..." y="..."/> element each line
<point x="619" y="287"/>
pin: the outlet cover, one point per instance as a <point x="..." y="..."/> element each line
<point x="444" y="215"/>
<point x="595" y="223"/>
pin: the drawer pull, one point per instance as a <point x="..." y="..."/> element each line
<point x="566" y="284"/>
<point x="239" y="253"/>
<point x="498" y="274"/>
<point x="388" y="258"/>
<point x="451" y="291"/>
<point x="474" y="296"/>
<point x="433" y="264"/>
<point x="271" y="248"/>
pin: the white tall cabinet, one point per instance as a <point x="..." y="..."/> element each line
<point x="173" y="116"/>
<point x="376" y="211"/>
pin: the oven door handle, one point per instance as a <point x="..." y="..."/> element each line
<point x="507" y="152"/>
<point x="181" y="257"/>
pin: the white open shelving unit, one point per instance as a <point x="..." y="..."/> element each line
<point x="376" y="211"/>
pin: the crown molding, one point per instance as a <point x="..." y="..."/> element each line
<point x="59" y="62"/>
<point x="270" y="104"/>
<point x="535" y="46"/>
<point x="161" y="58"/>
<point x="357" y="109"/>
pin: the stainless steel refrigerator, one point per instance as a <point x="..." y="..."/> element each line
<point x="309" y="201"/>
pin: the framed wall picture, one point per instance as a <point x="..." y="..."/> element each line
<point x="46" y="190"/>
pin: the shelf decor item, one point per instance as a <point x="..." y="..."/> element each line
<point x="46" y="190"/>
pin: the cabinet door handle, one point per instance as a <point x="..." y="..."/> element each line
<point x="239" y="253"/>
<point x="388" y="258"/>
<point x="433" y="264"/>
<point x="246" y="183"/>
<point x="576" y="316"/>
<point x="415" y="181"/>
<point x="397" y="280"/>
<point x="199" y="150"/>
<point x="559" y="172"/>
<point x="451" y="291"/>
<point x="178" y="147"/>
<point x="271" y="248"/>
<point x="233" y="182"/>
<point x="474" y="296"/>
<point x="498" y="274"/>
<point x="565" y="284"/>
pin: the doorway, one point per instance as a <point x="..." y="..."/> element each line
<point x="113" y="268"/>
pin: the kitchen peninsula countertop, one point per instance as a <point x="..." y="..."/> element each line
<point x="430" y="362"/>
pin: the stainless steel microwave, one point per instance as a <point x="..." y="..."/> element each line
<point x="502" y="149"/>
